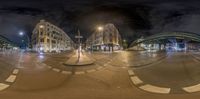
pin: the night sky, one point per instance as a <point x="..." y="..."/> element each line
<point x="133" y="18"/>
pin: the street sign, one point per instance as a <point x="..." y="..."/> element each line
<point x="78" y="36"/>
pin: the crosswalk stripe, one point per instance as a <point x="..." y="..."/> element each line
<point x="91" y="70"/>
<point x="100" y="68"/>
<point x="130" y="72"/>
<point x="79" y="72"/>
<point x="136" y="80"/>
<point x="11" y="78"/>
<point x="194" y="88"/>
<point x="155" y="89"/>
<point x="15" y="71"/>
<point x="56" y="70"/>
<point x="3" y="86"/>
<point x="66" y="72"/>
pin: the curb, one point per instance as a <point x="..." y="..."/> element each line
<point x="147" y="87"/>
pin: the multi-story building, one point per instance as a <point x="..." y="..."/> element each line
<point x="5" y="43"/>
<point x="105" y="39"/>
<point x="47" y="37"/>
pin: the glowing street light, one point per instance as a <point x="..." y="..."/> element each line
<point x="41" y="26"/>
<point x="24" y="34"/>
<point x="100" y="28"/>
<point x="21" y="33"/>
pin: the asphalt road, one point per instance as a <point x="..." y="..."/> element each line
<point x="120" y="75"/>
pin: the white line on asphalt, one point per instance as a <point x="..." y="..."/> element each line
<point x="196" y="60"/>
<point x="66" y="72"/>
<point x="91" y="70"/>
<point x="155" y="89"/>
<point x="105" y="64"/>
<point x="3" y="86"/>
<point x="56" y="70"/>
<point x="43" y="64"/>
<point x="193" y="88"/>
<point x="15" y="71"/>
<point x="99" y="68"/>
<point x="131" y="73"/>
<point x="136" y="80"/>
<point x="11" y="78"/>
<point x="49" y="67"/>
<point x="79" y="72"/>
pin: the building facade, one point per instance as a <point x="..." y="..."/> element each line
<point x="5" y="44"/>
<point x="47" y="37"/>
<point x="106" y="39"/>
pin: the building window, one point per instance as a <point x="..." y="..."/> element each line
<point x="48" y="40"/>
<point x="42" y="40"/>
<point x="53" y="41"/>
<point x="41" y="33"/>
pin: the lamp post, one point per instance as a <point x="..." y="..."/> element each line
<point x="28" y="40"/>
<point x="100" y="30"/>
<point x="125" y="45"/>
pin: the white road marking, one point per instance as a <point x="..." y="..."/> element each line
<point x="196" y="60"/>
<point x="66" y="72"/>
<point x="43" y="64"/>
<point x="194" y="88"/>
<point x="3" y="86"/>
<point x="15" y="71"/>
<point x="91" y="70"/>
<point x="131" y="73"/>
<point x="11" y="78"/>
<point x="136" y="80"/>
<point x="49" y="67"/>
<point x="99" y="68"/>
<point x="79" y="72"/>
<point x="56" y="70"/>
<point x="105" y="64"/>
<point x="155" y="89"/>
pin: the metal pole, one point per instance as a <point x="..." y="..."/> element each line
<point x="28" y="40"/>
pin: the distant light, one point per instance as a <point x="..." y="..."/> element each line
<point x="124" y="40"/>
<point x="100" y="28"/>
<point x="41" y="26"/>
<point x="41" y="53"/>
<point x="41" y="48"/>
<point x="21" y="33"/>
<point x="41" y="56"/>
<point x="15" y="48"/>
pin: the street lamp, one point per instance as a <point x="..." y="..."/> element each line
<point x="100" y="28"/>
<point x="124" y="44"/>
<point x="22" y="34"/>
<point x="41" y="26"/>
<point x="101" y="41"/>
